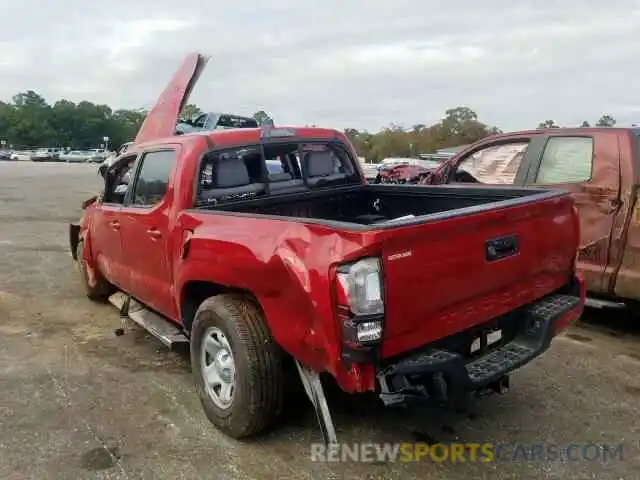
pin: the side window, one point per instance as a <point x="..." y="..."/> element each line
<point x="118" y="180"/>
<point x="153" y="179"/>
<point x="497" y="164"/>
<point x="566" y="160"/>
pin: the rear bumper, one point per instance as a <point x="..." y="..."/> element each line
<point x="442" y="374"/>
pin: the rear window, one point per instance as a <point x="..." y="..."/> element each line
<point x="246" y="172"/>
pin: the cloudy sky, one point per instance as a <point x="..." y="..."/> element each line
<point x="337" y="63"/>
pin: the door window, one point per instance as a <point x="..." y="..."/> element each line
<point x="566" y="160"/>
<point x="153" y="179"/>
<point x="496" y="164"/>
<point x="118" y="180"/>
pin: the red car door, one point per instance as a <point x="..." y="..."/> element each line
<point x="145" y="231"/>
<point x="570" y="161"/>
<point x="105" y="228"/>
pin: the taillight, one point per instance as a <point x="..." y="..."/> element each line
<point x="360" y="302"/>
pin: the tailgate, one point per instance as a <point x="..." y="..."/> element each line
<point x="444" y="276"/>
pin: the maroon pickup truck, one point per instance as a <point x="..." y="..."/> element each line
<point x="600" y="167"/>
<point x="407" y="291"/>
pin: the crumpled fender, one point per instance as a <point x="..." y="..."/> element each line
<point x="288" y="273"/>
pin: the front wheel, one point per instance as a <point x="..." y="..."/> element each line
<point x="236" y="364"/>
<point x="97" y="288"/>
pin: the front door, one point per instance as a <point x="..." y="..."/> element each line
<point x="146" y="232"/>
<point x="105" y="228"/>
<point x="503" y="162"/>
<point x="104" y="242"/>
<point x="570" y="163"/>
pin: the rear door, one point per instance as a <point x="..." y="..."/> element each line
<point x="506" y="161"/>
<point x="145" y="230"/>
<point x="588" y="167"/>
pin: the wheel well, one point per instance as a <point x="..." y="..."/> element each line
<point x="197" y="291"/>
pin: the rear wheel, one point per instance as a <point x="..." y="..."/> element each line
<point x="96" y="288"/>
<point x="236" y="365"/>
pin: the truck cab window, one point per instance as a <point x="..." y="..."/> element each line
<point x="151" y="184"/>
<point x="117" y="182"/>
<point x="566" y="160"/>
<point x="496" y="164"/>
<point x="283" y="159"/>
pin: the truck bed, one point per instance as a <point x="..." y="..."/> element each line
<point x="386" y="206"/>
<point x="465" y="256"/>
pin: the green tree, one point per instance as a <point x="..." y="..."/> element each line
<point x="606" y="121"/>
<point x="190" y="111"/>
<point x="263" y="118"/>
<point x="548" y="124"/>
<point x="585" y="124"/>
<point x="28" y="121"/>
<point x="458" y="126"/>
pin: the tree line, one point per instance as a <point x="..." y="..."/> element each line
<point x="29" y="121"/>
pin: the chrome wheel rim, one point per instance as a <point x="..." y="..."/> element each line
<point x="218" y="368"/>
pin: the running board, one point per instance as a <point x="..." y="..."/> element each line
<point x="597" y="303"/>
<point x="161" y="328"/>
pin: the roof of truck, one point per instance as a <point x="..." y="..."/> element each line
<point x="568" y="130"/>
<point x="240" y="136"/>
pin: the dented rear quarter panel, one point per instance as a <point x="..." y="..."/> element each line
<point x="285" y="265"/>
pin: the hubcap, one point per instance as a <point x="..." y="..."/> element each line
<point x="218" y="368"/>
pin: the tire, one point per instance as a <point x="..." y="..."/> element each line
<point x="257" y="365"/>
<point x="101" y="290"/>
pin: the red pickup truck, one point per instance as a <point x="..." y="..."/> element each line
<point x="600" y="167"/>
<point x="407" y="291"/>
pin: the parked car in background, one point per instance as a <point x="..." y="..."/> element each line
<point x="68" y="156"/>
<point x="600" y="167"/>
<point x="97" y="155"/>
<point x="5" y="155"/>
<point x="370" y="170"/>
<point x="396" y="170"/>
<point x="46" y="155"/>
<point x="215" y="121"/>
<point x="75" y="156"/>
<point x="23" y="156"/>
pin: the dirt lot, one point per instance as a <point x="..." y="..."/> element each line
<point x="78" y="402"/>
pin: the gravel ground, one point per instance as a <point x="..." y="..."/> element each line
<point x="78" y="402"/>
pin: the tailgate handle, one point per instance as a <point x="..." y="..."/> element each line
<point x="502" y="247"/>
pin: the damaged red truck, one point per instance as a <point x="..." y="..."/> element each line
<point x="407" y="291"/>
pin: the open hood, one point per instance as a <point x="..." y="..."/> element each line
<point x="162" y="118"/>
